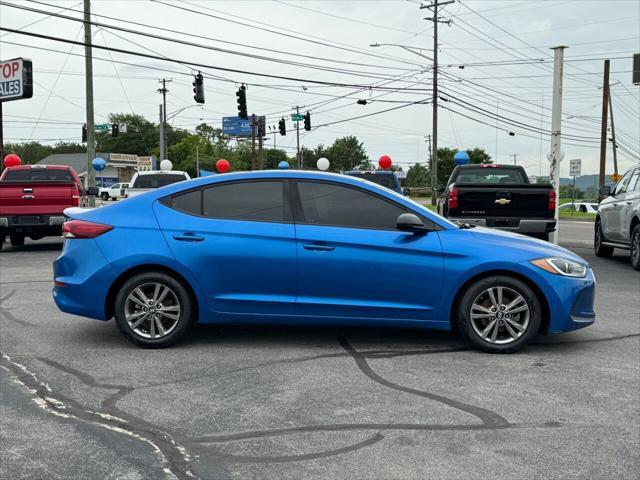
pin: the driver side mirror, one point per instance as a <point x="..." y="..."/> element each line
<point x="408" y="222"/>
<point x="605" y="191"/>
<point x="92" y="191"/>
<point x="439" y="189"/>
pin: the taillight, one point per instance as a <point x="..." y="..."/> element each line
<point x="83" y="229"/>
<point x="75" y="196"/>
<point x="552" y="200"/>
<point x="453" y="198"/>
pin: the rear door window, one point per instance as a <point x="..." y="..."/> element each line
<point x="38" y="175"/>
<point x="258" y="201"/>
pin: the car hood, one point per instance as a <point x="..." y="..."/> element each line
<point x="530" y="247"/>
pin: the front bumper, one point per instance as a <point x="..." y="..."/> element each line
<point x="516" y="225"/>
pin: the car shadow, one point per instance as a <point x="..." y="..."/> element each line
<point x="33" y="246"/>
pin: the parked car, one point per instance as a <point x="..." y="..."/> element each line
<point x="114" y="192"/>
<point x="499" y="196"/>
<point x="385" y="178"/>
<point x="618" y="220"/>
<point x="145" y="181"/>
<point x="304" y="248"/>
<point x="582" y="207"/>
<point x="33" y="198"/>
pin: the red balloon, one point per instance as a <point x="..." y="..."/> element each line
<point x="222" y="165"/>
<point x="385" y="162"/>
<point x="12" y="160"/>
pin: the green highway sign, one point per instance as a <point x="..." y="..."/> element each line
<point x="297" y="117"/>
<point x="102" y="127"/>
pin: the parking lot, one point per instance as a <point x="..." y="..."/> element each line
<point x="79" y="401"/>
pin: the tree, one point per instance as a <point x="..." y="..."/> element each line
<point x="142" y="137"/>
<point x="32" y="152"/>
<point x="418" y="176"/>
<point x="566" y="191"/>
<point x="446" y="163"/>
<point x="347" y="153"/>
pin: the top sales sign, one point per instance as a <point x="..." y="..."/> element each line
<point x="16" y="79"/>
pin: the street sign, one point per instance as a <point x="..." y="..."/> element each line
<point x="102" y="127"/>
<point x="297" y="117"/>
<point x="575" y="167"/>
<point x="16" y="79"/>
<point x="240" y="127"/>
<point x="145" y="164"/>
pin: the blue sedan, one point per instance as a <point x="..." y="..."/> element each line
<point x="310" y="248"/>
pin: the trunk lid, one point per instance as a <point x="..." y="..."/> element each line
<point x="522" y="201"/>
<point x="24" y="198"/>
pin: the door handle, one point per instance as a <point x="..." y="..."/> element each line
<point x="628" y="203"/>
<point x="188" y="237"/>
<point x="318" y="247"/>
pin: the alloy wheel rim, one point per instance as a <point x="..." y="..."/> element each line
<point x="500" y="315"/>
<point x="635" y="245"/>
<point x="152" y="310"/>
<point x="597" y="237"/>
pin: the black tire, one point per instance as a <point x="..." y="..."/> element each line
<point x="104" y="196"/>
<point x="598" y="238"/>
<point x="3" y="237"/>
<point x="17" y="240"/>
<point x="511" y="286"/>
<point x="542" y="236"/>
<point x="634" y="253"/>
<point x="181" y="295"/>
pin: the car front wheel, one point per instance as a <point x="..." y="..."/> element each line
<point x="635" y="247"/>
<point x="598" y="237"/>
<point x="499" y="314"/>
<point x="153" y="310"/>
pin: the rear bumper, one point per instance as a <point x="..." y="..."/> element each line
<point x="32" y="224"/>
<point x="524" y="225"/>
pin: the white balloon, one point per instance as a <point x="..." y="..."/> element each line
<point x="323" y="164"/>
<point x="166" y="164"/>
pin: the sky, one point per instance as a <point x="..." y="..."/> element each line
<point x="495" y="73"/>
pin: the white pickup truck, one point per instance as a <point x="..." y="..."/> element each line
<point x="114" y="192"/>
<point x="144" y="181"/>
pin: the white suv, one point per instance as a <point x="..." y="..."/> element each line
<point x="112" y="192"/>
<point x="618" y="220"/>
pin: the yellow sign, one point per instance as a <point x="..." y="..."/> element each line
<point x="615" y="177"/>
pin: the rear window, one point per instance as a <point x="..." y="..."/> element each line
<point x="490" y="176"/>
<point x="38" y="175"/>
<point x="157" y="180"/>
<point x="383" y="180"/>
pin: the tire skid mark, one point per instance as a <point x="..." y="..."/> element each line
<point x="487" y="417"/>
<point x="7" y="314"/>
<point x="171" y="455"/>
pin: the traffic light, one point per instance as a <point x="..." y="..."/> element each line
<point x="115" y="129"/>
<point x="84" y="133"/>
<point x="282" y="126"/>
<point x="198" y="88"/>
<point x="242" y="101"/>
<point x="307" y="121"/>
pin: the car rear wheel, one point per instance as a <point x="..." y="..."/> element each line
<point x="635" y="247"/>
<point x="598" y="237"/>
<point x="17" y="240"/>
<point x="104" y="196"/>
<point x="153" y="310"/>
<point x="499" y="314"/>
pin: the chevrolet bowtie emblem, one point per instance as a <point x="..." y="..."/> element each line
<point x="503" y="201"/>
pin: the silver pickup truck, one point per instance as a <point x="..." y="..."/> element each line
<point x="144" y="181"/>
<point x="618" y="219"/>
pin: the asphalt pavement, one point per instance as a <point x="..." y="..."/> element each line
<point x="78" y="401"/>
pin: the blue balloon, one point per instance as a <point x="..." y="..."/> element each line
<point x="283" y="165"/>
<point x="461" y="158"/>
<point x="99" y="164"/>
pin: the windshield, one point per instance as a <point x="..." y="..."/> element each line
<point x="383" y="180"/>
<point x="38" y="175"/>
<point x="489" y="176"/>
<point x="158" y="180"/>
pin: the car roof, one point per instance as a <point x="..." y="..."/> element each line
<point x="162" y="172"/>
<point x="38" y="167"/>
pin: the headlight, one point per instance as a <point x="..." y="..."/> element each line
<point x="561" y="266"/>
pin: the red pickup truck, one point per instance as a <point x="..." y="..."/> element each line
<point x="32" y="199"/>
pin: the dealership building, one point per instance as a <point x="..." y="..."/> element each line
<point x="120" y="166"/>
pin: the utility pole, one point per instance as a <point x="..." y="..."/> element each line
<point x="603" y="131"/>
<point x="555" y="155"/>
<point x="434" y="156"/>
<point x="298" y="139"/>
<point x="254" y="162"/>
<point x="163" y="91"/>
<point x="429" y="152"/>
<point x="88" y="73"/>
<point x="613" y="133"/>
<point x="515" y="158"/>
<point x="161" y="125"/>
<point x="197" y="161"/>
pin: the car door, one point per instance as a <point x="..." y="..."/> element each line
<point x="628" y="199"/>
<point x="238" y="241"/>
<point x="611" y="210"/>
<point x="353" y="262"/>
